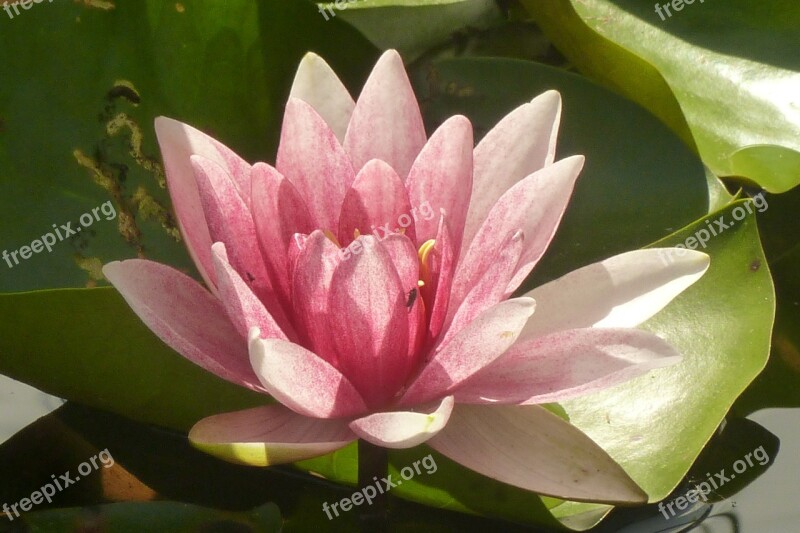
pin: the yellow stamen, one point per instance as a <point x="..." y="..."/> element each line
<point x="356" y="234"/>
<point x="331" y="237"/>
<point x="424" y="255"/>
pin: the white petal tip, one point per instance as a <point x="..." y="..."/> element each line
<point x="253" y="336"/>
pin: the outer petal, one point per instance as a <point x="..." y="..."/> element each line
<point x="531" y="448"/>
<point x="491" y="287"/>
<point x="269" y="435"/>
<point x="230" y="222"/>
<point x="522" y="143"/>
<point x="178" y="142"/>
<point x="535" y="206"/>
<point x="386" y="123"/>
<point x="441" y="178"/>
<point x="370" y="334"/>
<point x="477" y="345"/>
<point x="622" y="291"/>
<point x="301" y="381"/>
<point x="278" y="212"/>
<point x="244" y="309"/>
<point x="311" y="158"/>
<point x="376" y="203"/>
<point x="403" y="429"/>
<point x="567" y="364"/>
<point x="318" y="85"/>
<point x="184" y="315"/>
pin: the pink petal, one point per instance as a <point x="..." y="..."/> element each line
<point x="377" y="203"/>
<point x="535" y="206"/>
<point x="528" y="447"/>
<point x="520" y="144"/>
<point x="311" y="284"/>
<point x="442" y="265"/>
<point x="311" y="158"/>
<point x="184" y="315"/>
<point x="318" y="85"/>
<point x="269" y="435"/>
<point x="230" y="222"/>
<point x="405" y="259"/>
<point x="491" y="287"/>
<point x="474" y="347"/>
<point x="301" y="381"/>
<point x="371" y="329"/>
<point x="178" y="143"/>
<point x="441" y="178"/>
<point x="386" y="122"/>
<point x="567" y="364"/>
<point x="243" y="307"/>
<point x="622" y="291"/>
<point x="279" y="213"/>
<point x="296" y="245"/>
<point x="403" y="429"/>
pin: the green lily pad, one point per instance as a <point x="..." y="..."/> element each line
<point x="76" y="123"/>
<point x="729" y="68"/>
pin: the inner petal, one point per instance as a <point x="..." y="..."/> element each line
<point x="377" y="203"/>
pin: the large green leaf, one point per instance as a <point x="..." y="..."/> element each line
<point x="731" y="68"/>
<point x="80" y="88"/>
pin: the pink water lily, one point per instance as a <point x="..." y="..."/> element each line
<point x="364" y="281"/>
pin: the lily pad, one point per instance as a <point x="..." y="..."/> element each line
<point x="730" y="68"/>
<point x="76" y="124"/>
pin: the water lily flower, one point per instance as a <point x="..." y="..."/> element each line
<point x="411" y="338"/>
